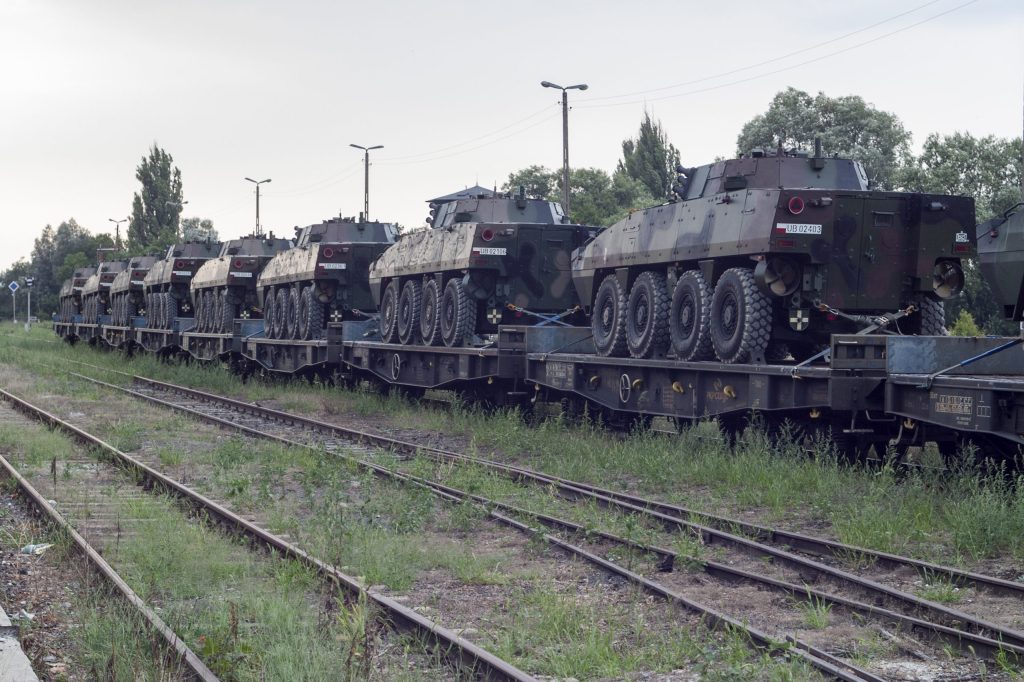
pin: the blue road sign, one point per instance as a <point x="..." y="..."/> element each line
<point x="13" y="286"/>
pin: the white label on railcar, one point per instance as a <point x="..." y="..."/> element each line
<point x="241" y="274"/>
<point x="137" y="281"/>
<point x="798" y="228"/>
<point x="183" y="273"/>
<point x="490" y="250"/>
<point x="333" y="266"/>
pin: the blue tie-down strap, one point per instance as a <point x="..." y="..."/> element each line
<point x="545" y="319"/>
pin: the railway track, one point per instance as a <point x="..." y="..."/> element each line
<point x="461" y="653"/>
<point x="858" y="595"/>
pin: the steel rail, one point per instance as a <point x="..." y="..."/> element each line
<point x="965" y="621"/>
<point x="448" y="642"/>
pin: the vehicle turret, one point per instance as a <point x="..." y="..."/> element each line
<point x="484" y="259"/>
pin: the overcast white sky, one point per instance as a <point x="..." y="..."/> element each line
<point x="450" y="88"/>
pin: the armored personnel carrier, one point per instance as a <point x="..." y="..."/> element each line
<point x="224" y="288"/>
<point x="481" y="253"/>
<point x="1000" y="244"/>
<point x="323" y="277"/>
<point x="71" y="294"/>
<point x="770" y="254"/>
<point x="126" y="291"/>
<point x="96" y="290"/>
<point x="167" y="282"/>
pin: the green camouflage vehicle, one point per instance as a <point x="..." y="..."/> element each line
<point x="1001" y="255"/>
<point x="71" y="294"/>
<point x="485" y="259"/>
<point x="126" y="292"/>
<point x="768" y="255"/>
<point x="96" y="290"/>
<point x="167" y="282"/>
<point x="224" y="288"/>
<point x="324" y="278"/>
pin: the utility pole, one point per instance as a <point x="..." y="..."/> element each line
<point x="366" y="177"/>
<point x="258" y="232"/>
<point x="29" y="281"/>
<point x="117" y="231"/>
<point x="565" y="137"/>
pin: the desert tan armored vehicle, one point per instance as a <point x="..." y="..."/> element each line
<point x="96" y="290"/>
<point x="167" y="282"/>
<point x="71" y="294"/>
<point x="126" y="291"/>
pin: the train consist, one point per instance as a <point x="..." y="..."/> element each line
<point x="777" y="282"/>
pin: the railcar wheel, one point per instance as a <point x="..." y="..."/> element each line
<point x="456" y="312"/>
<point x="311" y="315"/>
<point x="608" y="321"/>
<point x="689" y="318"/>
<point x="227" y="313"/>
<point x="293" y="312"/>
<point x="269" y="298"/>
<point x="430" y="317"/>
<point x="409" y="312"/>
<point x="389" y="313"/>
<point x="281" y="314"/>
<point x="741" y="317"/>
<point x="647" y="316"/>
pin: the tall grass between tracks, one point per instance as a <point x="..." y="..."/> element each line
<point x="965" y="516"/>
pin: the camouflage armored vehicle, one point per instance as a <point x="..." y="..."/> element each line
<point x="167" y="282"/>
<point x="126" y="291"/>
<point x="1001" y="256"/>
<point x="71" y="294"/>
<point x="224" y="287"/>
<point x="480" y="253"/>
<point x="770" y="254"/>
<point x="323" y="278"/>
<point x="96" y="290"/>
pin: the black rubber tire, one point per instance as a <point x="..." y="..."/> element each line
<point x="430" y="313"/>
<point x="199" y="311"/>
<point x="741" y="317"/>
<point x="608" y="321"/>
<point x="269" y="298"/>
<point x="168" y="309"/>
<point x="689" y="318"/>
<point x="456" y="312"/>
<point x="293" y="312"/>
<point x="930" y="317"/>
<point x="409" y="312"/>
<point x="226" y="319"/>
<point x="311" y="315"/>
<point x="281" y="314"/>
<point x="389" y="313"/>
<point x="130" y="310"/>
<point x="218" y="312"/>
<point x="647" y="316"/>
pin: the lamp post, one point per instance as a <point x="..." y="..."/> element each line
<point x="117" y="230"/>
<point x="366" y="177"/>
<point x="565" y="136"/>
<point x="258" y="183"/>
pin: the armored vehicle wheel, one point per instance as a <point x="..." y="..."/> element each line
<point x="689" y="318"/>
<point x="208" y="311"/>
<point x="389" y="312"/>
<point x="128" y="310"/>
<point x="456" y="314"/>
<point x="154" y="311"/>
<point x="608" y="320"/>
<point x="430" y="318"/>
<point x="168" y="310"/>
<point x="218" y="312"/>
<point x="741" y="317"/>
<point x="269" y="298"/>
<point x="227" y="313"/>
<point x="311" y="315"/>
<point x="929" y="319"/>
<point x="647" y="316"/>
<point x="281" y="314"/>
<point x="409" y="312"/>
<point x="293" y="313"/>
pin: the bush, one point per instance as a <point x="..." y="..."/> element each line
<point x="965" y="325"/>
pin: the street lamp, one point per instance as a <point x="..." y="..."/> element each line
<point x="117" y="230"/>
<point x="258" y="183"/>
<point x="565" y="137"/>
<point x="366" y="177"/>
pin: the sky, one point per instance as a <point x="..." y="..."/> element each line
<point x="450" y="88"/>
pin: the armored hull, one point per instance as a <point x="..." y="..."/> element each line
<point x="325" y="277"/>
<point x="96" y="290"/>
<point x="1001" y="256"/>
<point x="127" y="298"/>
<point x="485" y="260"/>
<point x="767" y="255"/>
<point x="224" y="288"/>
<point x="71" y="294"/>
<point x="167" y="282"/>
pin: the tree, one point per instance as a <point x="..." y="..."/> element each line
<point x="597" y="198"/>
<point x="650" y="158"/>
<point x="847" y="126"/>
<point x="988" y="169"/>
<point x="198" y="230"/>
<point x="157" y="209"/>
<point x="537" y="181"/>
<point x="55" y="255"/>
